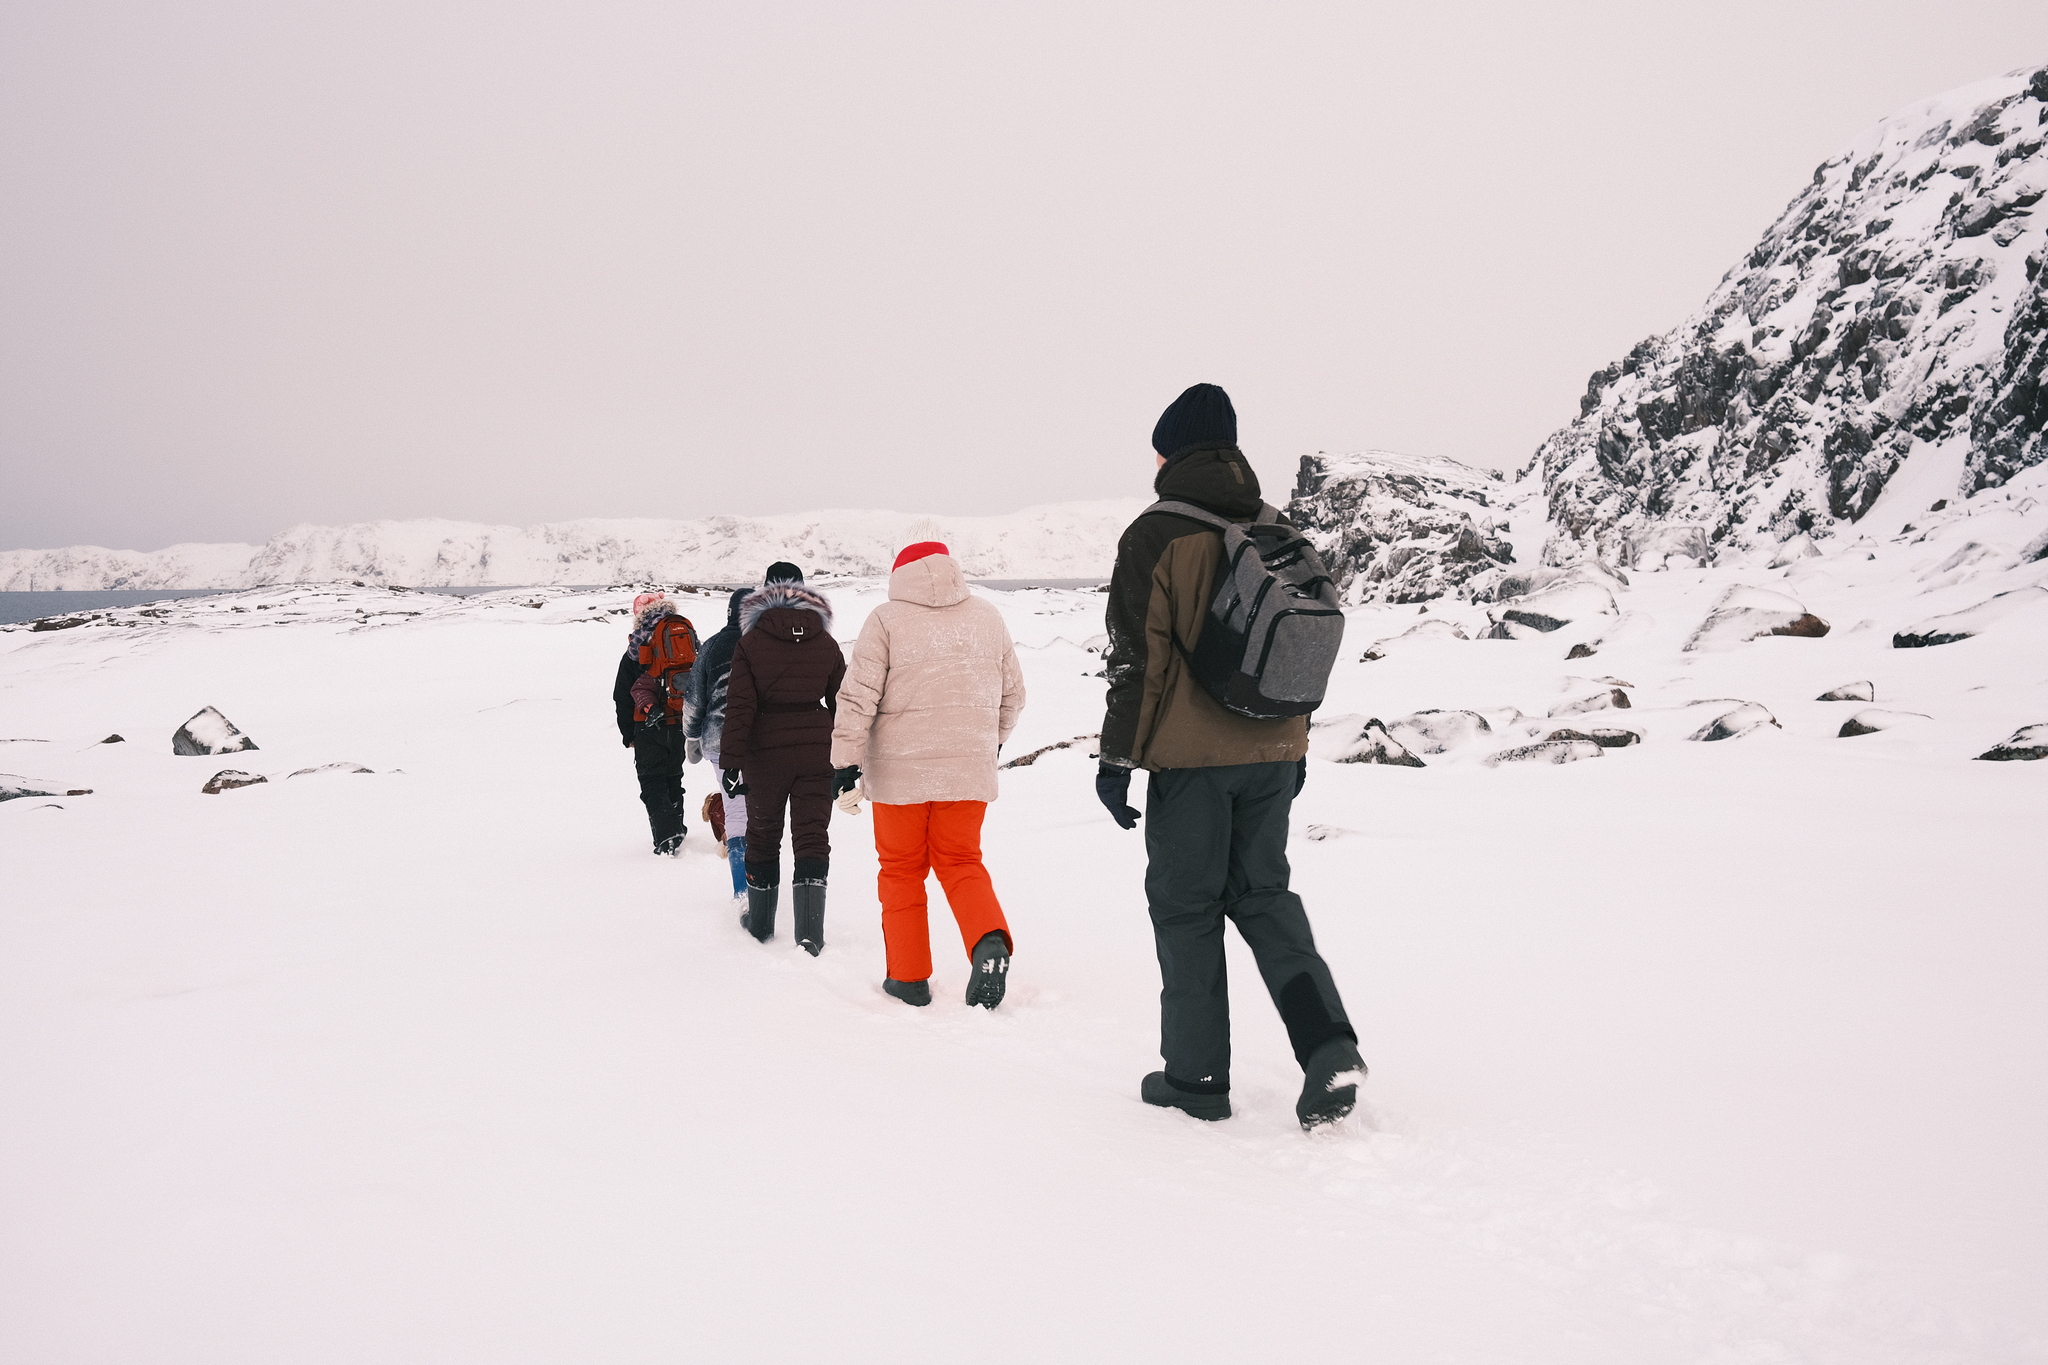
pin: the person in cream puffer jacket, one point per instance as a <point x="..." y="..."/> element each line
<point x="931" y="692"/>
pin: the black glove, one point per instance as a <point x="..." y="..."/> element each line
<point x="1113" y="789"/>
<point x="1300" y="774"/>
<point x="843" y="779"/>
<point x="734" y="782"/>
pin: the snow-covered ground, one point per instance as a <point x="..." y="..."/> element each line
<point x="1700" y="1052"/>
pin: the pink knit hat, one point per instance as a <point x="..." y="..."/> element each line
<point x="912" y="553"/>
<point x="646" y="600"/>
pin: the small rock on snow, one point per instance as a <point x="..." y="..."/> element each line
<point x="1961" y="625"/>
<point x="332" y="768"/>
<point x="1855" y="691"/>
<point x="113" y="739"/>
<point x="1870" y="720"/>
<point x="1743" y="720"/>
<point x="2027" y="742"/>
<point x="227" y="779"/>
<point x="210" y="732"/>
<point x="1580" y="651"/>
<point x="1600" y="700"/>
<point x="1375" y="745"/>
<point x="1607" y="737"/>
<point x="1746" y="613"/>
<point x="1547" y="751"/>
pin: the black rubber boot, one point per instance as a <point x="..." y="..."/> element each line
<point x="758" y="918"/>
<point x="909" y="992"/>
<point x="1329" y="1091"/>
<point x="1156" y="1089"/>
<point x="807" y="898"/>
<point x="990" y="971"/>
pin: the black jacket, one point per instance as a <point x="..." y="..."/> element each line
<point x="785" y="681"/>
<point x="622" y="692"/>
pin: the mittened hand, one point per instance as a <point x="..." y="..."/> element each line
<point x="693" y="751"/>
<point x="734" y="782"/>
<point x="1113" y="789"/>
<point x="845" y="779"/>
<point x="1300" y="775"/>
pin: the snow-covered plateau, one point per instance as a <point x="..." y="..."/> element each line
<point x="1683" y="1048"/>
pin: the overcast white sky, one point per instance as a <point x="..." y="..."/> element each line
<point x="264" y="263"/>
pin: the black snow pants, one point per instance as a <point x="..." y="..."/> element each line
<point x="658" y="759"/>
<point x="775" y="777"/>
<point x="1216" y="840"/>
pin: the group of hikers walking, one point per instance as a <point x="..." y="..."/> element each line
<point x="1222" y="625"/>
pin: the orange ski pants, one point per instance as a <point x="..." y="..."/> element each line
<point x="913" y="841"/>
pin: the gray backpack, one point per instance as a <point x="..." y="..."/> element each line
<point x="1274" y="627"/>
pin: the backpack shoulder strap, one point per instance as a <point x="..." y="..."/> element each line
<point x="1190" y="511"/>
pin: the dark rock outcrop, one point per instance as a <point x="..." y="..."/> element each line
<point x="209" y="732"/>
<point x="1401" y="528"/>
<point x="2026" y="743"/>
<point x="1854" y="691"/>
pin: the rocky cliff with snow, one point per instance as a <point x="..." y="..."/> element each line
<point x="1894" y="314"/>
<point x="1887" y="336"/>
<point x="1061" y="540"/>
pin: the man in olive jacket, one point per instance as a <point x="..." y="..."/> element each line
<point x="1220" y="789"/>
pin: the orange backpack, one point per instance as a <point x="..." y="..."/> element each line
<point x="668" y="655"/>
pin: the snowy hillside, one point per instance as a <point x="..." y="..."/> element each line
<point x="1891" y="328"/>
<point x="1704" y="1015"/>
<point x="1060" y="540"/>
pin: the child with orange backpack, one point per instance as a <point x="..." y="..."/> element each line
<point x="660" y="650"/>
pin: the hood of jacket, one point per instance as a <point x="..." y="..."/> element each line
<point x="1216" y="478"/>
<point x="732" y="607"/>
<point x="934" y="581"/>
<point x="784" y="598"/>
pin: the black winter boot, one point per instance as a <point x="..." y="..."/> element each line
<point x="808" y="899"/>
<point x="1329" y="1091"/>
<point x="989" y="972"/>
<point x="909" y="992"/>
<point x="758" y="918"/>
<point x="1157" y="1089"/>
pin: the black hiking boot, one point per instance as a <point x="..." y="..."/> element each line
<point x="758" y="918"/>
<point x="1157" y="1089"/>
<point x="672" y="846"/>
<point x="909" y="992"/>
<point x="1329" y="1091"/>
<point x="989" y="972"/>
<point x="808" y="900"/>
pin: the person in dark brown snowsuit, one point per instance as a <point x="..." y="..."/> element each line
<point x="777" y="747"/>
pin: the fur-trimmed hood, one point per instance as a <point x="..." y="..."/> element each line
<point x="781" y="594"/>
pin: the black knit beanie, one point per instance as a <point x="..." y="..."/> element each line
<point x="782" y="571"/>
<point x="1200" y="417"/>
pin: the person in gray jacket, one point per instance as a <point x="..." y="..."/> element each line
<point x="704" y="723"/>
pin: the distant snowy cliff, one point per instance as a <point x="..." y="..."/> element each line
<point x="1896" y="312"/>
<point x="1401" y="528"/>
<point x="1060" y="540"/>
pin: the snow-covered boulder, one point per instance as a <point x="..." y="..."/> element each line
<point x="1745" y="719"/>
<point x="2027" y="742"/>
<point x="1961" y="625"/>
<point x="1437" y="732"/>
<point x="210" y="732"/>
<point x="1356" y="739"/>
<point x="1607" y="737"/>
<point x="1746" y="613"/>
<point x="1419" y="633"/>
<point x="13" y="788"/>
<point x="227" y="779"/>
<point x="1400" y="528"/>
<point x="1547" y="751"/>
<point x="1597" y="698"/>
<point x="1555" y="607"/>
<point x="1851" y="691"/>
<point x="1792" y="551"/>
<point x="1893" y="313"/>
<point x="1870" y="720"/>
<point x="331" y="768"/>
